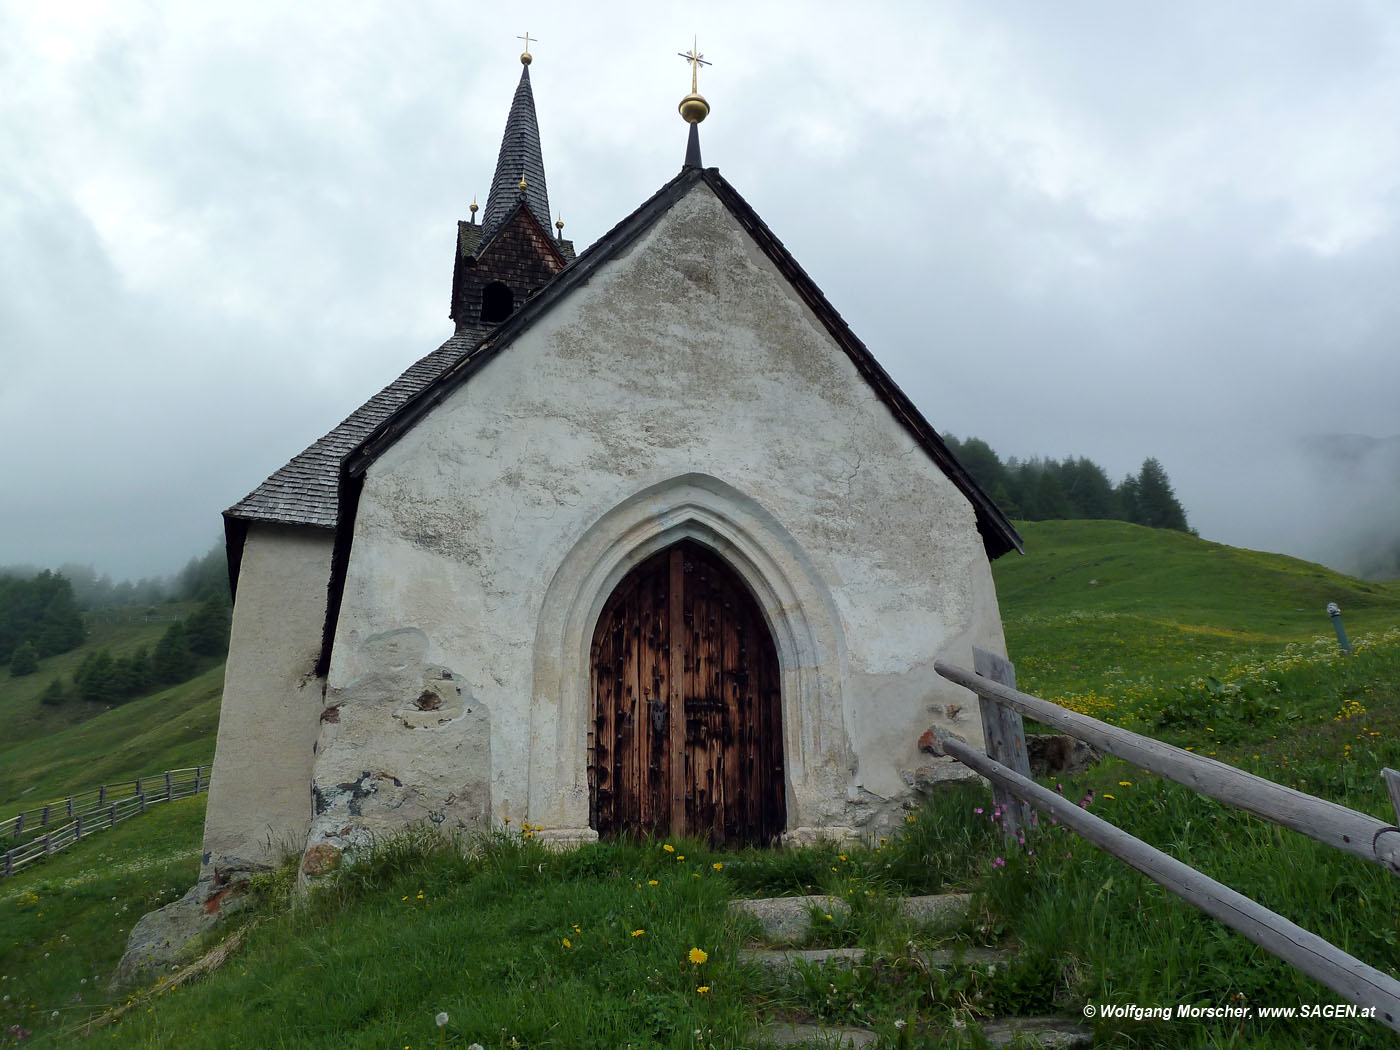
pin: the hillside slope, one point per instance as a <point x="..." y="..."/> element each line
<point x="1105" y="599"/>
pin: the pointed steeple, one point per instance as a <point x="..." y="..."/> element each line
<point x="520" y="166"/>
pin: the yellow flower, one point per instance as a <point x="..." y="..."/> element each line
<point x="1125" y="783"/>
<point x="718" y="866"/>
<point x="909" y="819"/>
<point x="669" y="848"/>
<point x="653" y="882"/>
<point x="698" y="956"/>
<point x="576" y="929"/>
<point x="565" y="943"/>
<point x="638" y="933"/>
<point x="1107" y="795"/>
<point x="842" y="857"/>
<point x="680" y="856"/>
<point x="703" y="989"/>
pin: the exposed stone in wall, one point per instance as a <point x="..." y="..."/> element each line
<point x="404" y="743"/>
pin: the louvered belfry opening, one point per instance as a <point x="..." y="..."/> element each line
<point x="686" y="728"/>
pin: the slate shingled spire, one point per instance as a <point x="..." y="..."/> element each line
<point x="520" y="157"/>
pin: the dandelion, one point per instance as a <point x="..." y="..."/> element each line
<point x="828" y="918"/>
<point x="698" y="956"/>
<point x="441" y="1020"/>
<point x="639" y="933"/>
<point x="1107" y="795"/>
<point x="566" y="943"/>
<point x="576" y="929"/>
<point x="718" y="865"/>
<point x="669" y="848"/>
<point x="680" y="856"/>
<point x="1125" y="783"/>
<point x="704" y="989"/>
<point x="842" y="857"/>
<point x="653" y="882"/>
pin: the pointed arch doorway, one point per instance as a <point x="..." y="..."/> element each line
<point x="685" y="733"/>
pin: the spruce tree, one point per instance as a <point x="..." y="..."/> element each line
<point x="24" y="660"/>
<point x="1159" y="506"/>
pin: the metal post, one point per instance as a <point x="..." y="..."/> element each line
<point x="1335" y="611"/>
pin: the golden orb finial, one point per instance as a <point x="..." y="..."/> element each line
<point x="525" y="58"/>
<point x="473" y="208"/>
<point x="693" y="107"/>
<point x="523" y="184"/>
<point x="559" y="224"/>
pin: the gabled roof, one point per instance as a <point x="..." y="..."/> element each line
<point x="520" y="156"/>
<point x="998" y="534"/>
<point x="304" y="491"/>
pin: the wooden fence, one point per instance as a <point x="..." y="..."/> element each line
<point x="54" y="826"/>
<point x="1003" y="707"/>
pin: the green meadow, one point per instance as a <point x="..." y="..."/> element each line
<point x="1225" y="651"/>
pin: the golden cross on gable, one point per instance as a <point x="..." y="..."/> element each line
<point x="696" y="60"/>
<point x="527" y="38"/>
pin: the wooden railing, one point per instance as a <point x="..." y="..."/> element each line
<point x="1346" y="829"/>
<point x="54" y="826"/>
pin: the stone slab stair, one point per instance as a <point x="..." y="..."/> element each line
<point x="786" y="921"/>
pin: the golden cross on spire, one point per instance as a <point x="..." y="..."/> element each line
<point x="525" y="57"/>
<point x="696" y="60"/>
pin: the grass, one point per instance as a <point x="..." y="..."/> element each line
<point x="1227" y="652"/>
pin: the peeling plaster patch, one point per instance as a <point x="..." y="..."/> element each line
<point x="410" y="744"/>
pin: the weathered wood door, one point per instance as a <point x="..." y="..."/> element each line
<point x="686" y="733"/>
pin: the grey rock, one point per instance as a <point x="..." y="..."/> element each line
<point x="815" y="1036"/>
<point x="788" y="919"/>
<point x="1047" y="1032"/>
<point x="173" y="934"/>
<point x="781" y="961"/>
<point x="938" y="908"/>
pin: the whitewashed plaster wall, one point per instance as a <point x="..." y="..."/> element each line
<point x="684" y="390"/>
<point x="259" y="805"/>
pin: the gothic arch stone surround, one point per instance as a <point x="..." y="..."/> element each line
<point x="795" y="602"/>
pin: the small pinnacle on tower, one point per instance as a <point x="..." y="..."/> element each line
<point x="693" y="107"/>
<point x="473" y="209"/>
<point x="525" y="58"/>
<point x="523" y="185"/>
<point x="559" y="225"/>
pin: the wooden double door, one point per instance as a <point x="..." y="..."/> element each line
<point x="686" y="731"/>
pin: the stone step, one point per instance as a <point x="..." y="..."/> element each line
<point x="784" y="961"/>
<point x="789" y="919"/>
<point x="1050" y="1033"/>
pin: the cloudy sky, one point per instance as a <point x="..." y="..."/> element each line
<point x="1108" y="229"/>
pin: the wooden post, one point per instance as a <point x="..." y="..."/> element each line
<point x="199" y="772"/>
<point x="1006" y="738"/>
<point x="48" y="835"/>
<point x="1392" y="785"/>
<point x="142" y="797"/>
<point x="19" y="824"/>
<point x="9" y="863"/>
<point x="102" y="795"/>
<point x="44" y="818"/>
<point x="112" y="816"/>
<point x="1319" y="959"/>
<point x="169" y="787"/>
<point x="78" y="827"/>
<point x="70" y="806"/>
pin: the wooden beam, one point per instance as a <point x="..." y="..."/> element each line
<point x="1350" y="977"/>
<point x="1317" y="818"/>
<point x="1392" y="785"/>
<point x="675" y="675"/>
<point x="1005" y="736"/>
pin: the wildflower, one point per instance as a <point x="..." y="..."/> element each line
<point x="718" y="865"/>
<point x="842" y="857"/>
<point x="828" y="918"/>
<point x="441" y="1020"/>
<point x="1107" y="795"/>
<point x="576" y="929"/>
<point x="999" y="862"/>
<point x="680" y="856"/>
<point x="1125" y="783"/>
<point x="653" y="882"/>
<point x="703" y="989"/>
<point x="669" y="848"/>
<point x="566" y="943"/>
<point x="420" y="895"/>
<point x="638" y="933"/>
<point x="978" y="811"/>
<point x="698" y="956"/>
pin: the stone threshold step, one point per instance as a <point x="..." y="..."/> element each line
<point x="788" y="919"/>
<point x="786" y="960"/>
<point x="1051" y="1033"/>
